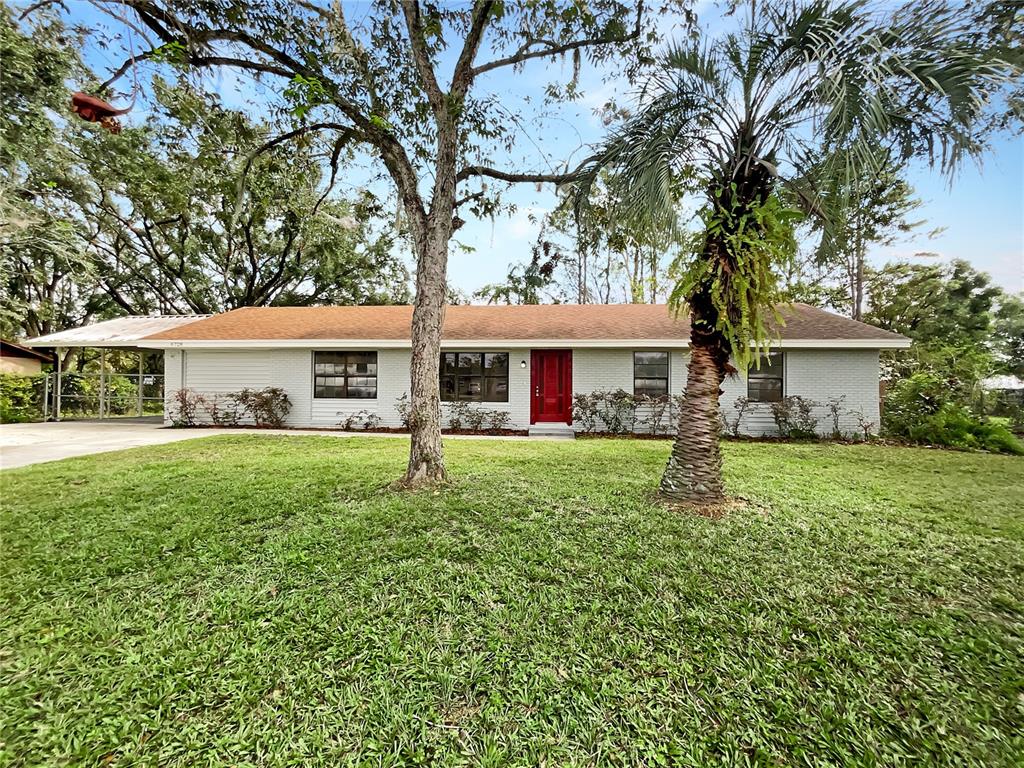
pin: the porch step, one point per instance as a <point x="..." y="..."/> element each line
<point x="563" y="431"/>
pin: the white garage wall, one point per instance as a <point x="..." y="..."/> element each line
<point x="812" y="373"/>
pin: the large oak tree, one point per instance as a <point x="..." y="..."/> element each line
<point x="421" y="87"/>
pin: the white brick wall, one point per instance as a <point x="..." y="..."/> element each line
<point x="816" y="374"/>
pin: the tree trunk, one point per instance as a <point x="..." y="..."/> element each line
<point x="694" y="471"/>
<point x="858" y="293"/>
<point x="426" y="456"/>
<point x="431" y="235"/>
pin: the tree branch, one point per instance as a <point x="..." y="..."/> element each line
<point x="493" y="173"/>
<point x="421" y="57"/>
<point x="554" y="49"/>
<point x="464" y="72"/>
<point x="267" y="146"/>
<point x="128" y="64"/>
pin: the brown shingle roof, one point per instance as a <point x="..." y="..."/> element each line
<point x="592" y="322"/>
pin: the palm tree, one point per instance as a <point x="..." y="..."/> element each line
<point x="743" y="121"/>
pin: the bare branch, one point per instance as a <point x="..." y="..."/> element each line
<point x="493" y="173"/>
<point x="266" y="147"/>
<point x="469" y="198"/>
<point x="129" y="63"/>
<point x="343" y="138"/>
<point x="323" y="14"/>
<point x="41" y="4"/>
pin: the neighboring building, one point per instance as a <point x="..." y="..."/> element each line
<point x="20" y="360"/>
<point x="526" y="360"/>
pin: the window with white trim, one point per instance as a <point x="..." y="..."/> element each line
<point x="474" y="376"/>
<point x="650" y="374"/>
<point x="345" y="375"/>
<point x="764" y="383"/>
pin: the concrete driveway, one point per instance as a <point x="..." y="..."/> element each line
<point x="24" y="444"/>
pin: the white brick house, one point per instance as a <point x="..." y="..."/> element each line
<point x="525" y="360"/>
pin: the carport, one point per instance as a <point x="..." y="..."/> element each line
<point x="124" y="334"/>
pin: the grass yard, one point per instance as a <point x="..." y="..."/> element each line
<point x="268" y="601"/>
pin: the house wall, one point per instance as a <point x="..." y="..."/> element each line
<point x="816" y="374"/>
<point x="212" y="372"/>
<point x="20" y="366"/>
<point x="811" y="373"/>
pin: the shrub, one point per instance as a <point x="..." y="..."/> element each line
<point x="21" y="398"/>
<point x="955" y="426"/>
<point x="910" y="401"/>
<point x="617" y="410"/>
<point x="866" y="426"/>
<point x="222" y="412"/>
<point x="499" y="420"/>
<point x="360" y="420"/>
<point x="654" y="409"/>
<point x="740" y="406"/>
<point x="404" y="409"/>
<point x="457" y="412"/>
<point x="184" y="407"/>
<point x="794" y="417"/>
<point x="268" y="407"/>
<point x="835" y="411"/>
<point x="475" y="418"/>
<point x="584" y="411"/>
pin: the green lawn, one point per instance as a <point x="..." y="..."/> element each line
<point x="268" y="601"/>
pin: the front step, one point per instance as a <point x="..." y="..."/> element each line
<point x="554" y="431"/>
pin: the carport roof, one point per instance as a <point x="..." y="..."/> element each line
<point x="119" y="332"/>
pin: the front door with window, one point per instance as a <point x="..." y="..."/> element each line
<point x="551" y="385"/>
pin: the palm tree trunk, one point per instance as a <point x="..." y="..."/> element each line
<point x="694" y="471"/>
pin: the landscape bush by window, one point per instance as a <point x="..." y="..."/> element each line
<point x="764" y="383"/>
<point x="618" y="412"/>
<point x="474" y="376"/>
<point x="360" y="420"/>
<point x="345" y="375"/>
<point x="268" y="407"/>
<point x="650" y="374"/>
<point x="794" y="417"/>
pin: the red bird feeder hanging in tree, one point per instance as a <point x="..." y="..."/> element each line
<point x="96" y="110"/>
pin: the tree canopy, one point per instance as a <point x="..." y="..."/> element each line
<point x="152" y="219"/>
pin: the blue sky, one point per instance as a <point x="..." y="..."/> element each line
<point x="981" y="210"/>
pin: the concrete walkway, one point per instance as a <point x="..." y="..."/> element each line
<point x="24" y="444"/>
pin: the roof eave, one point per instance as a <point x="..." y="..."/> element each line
<point x="888" y="343"/>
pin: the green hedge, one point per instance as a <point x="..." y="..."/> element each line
<point x="21" y="398"/>
<point x="921" y="409"/>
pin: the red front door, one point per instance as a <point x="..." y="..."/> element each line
<point x="551" y="382"/>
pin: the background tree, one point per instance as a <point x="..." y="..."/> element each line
<point x="1009" y="334"/>
<point x="739" y="119"/>
<point x="94" y="224"/>
<point x="526" y="283"/>
<point x="963" y="327"/>
<point x="869" y="206"/>
<point x="949" y="304"/>
<point x="170" y="231"/>
<point x="608" y="259"/>
<point x="404" y="82"/>
<point x="48" y="281"/>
